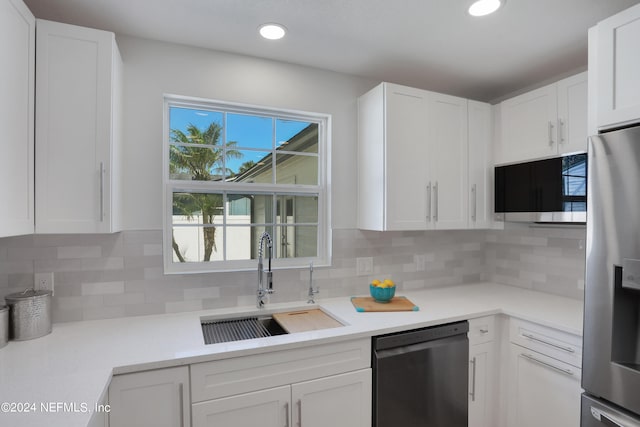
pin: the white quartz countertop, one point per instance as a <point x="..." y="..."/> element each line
<point x="57" y="380"/>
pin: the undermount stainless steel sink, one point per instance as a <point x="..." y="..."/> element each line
<point x="241" y="328"/>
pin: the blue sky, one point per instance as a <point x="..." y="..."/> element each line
<point x="248" y="131"/>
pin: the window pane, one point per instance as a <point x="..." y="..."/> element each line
<point x="191" y="126"/>
<point x="250" y="131"/>
<point x="293" y="169"/>
<point x="197" y="244"/>
<point x="242" y="242"/>
<point x="249" y="166"/>
<point x="297" y="241"/>
<point x="197" y="208"/>
<point x="294" y="135"/>
<point x="195" y="163"/>
<point x="249" y="208"/>
<point x="296" y="209"/>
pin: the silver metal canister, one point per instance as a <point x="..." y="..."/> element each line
<point x="29" y="314"/>
<point x="4" y="325"/>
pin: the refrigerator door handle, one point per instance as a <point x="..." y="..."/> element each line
<point x="607" y="419"/>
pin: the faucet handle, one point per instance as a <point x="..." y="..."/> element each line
<point x="270" y="282"/>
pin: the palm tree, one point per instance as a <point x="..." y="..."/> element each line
<point x="202" y="163"/>
<point x="246" y="166"/>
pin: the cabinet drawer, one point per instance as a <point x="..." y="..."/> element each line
<point x="481" y="330"/>
<point x="550" y="342"/>
<point x="212" y="380"/>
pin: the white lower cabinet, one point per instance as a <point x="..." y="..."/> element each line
<point x="482" y="372"/>
<point x="543" y="392"/>
<point x="158" y="398"/>
<point x="544" y="377"/>
<point x="481" y="377"/>
<point x="267" y="408"/>
<point x="339" y="401"/>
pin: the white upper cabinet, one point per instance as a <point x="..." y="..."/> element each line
<point x="17" y="44"/>
<point x="448" y="161"/>
<point x="528" y="126"/>
<point x="615" y="63"/>
<point x="392" y="184"/>
<point x="404" y="169"/>
<point x="78" y="82"/>
<point x="572" y="114"/>
<point x="545" y="122"/>
<point x="480" y="164"/>
<point x="413" y="160"/>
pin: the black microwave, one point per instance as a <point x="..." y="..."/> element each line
<point x="545" y="191"/>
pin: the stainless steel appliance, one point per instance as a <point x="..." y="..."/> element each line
<point x="611" y="342"/>
<point x="29" y="314"/>
<point x="420" y="377"/>
<point x="549" y="190"/>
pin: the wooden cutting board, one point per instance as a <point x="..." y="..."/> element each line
<point x="363" y="304"/>
<point x="305" y="320"/>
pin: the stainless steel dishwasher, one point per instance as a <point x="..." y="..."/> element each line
<point x="420" y="377"/>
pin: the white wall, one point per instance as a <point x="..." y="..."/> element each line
<point x="152" y="69"/>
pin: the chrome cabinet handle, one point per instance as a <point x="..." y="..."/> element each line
<point x="475" y="202"/>
<point x="560" y="131"/>
<point x="551" y="126"/>
<point x="484" y="331"/>
<point x="548" y="365"/>
<point x="286" y="414"/>
<point x="561" y="347"/>
<point x="181" y="403"/>
<point x="299" y="412"/>
<point x="435" y="193"/>
<point x="604" y="418"/>
<point x="429" y="202"/>
<point x="473" y="380"/>
<point x="102" y="172"/>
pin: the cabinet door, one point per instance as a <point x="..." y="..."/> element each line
<point x="448" y="150"/>
<point x="481" y="383"/>
<point x="338" y="401"/>
<point x="480" y="165"/>
<point x="572" y="114"/>
<point x="618" y="68"/>
<point x="407" y="158"/>
<point x="73" y="129"/>
<point x="543" y="391"/>
<point x="529" y="126"/>
<point x="265" y="408"/>
<point x="150" y="399"/>
<point x="17" y="44"/>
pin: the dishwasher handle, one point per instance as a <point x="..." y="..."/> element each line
<point x="416" y="336"/>
<point x="381" y="355"/>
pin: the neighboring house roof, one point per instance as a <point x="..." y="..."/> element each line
<point x="300" y="142"/>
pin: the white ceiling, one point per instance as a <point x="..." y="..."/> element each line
<point x="431" y="44"/>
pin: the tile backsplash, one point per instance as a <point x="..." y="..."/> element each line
<point x="543" y="258"/>
<point x="116" y="275"/>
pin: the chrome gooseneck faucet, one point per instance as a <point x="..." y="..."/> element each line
<point x="262" y="291"/>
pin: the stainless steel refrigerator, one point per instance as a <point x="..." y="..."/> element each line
<point x="611" y="346"/>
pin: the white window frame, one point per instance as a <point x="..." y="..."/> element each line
<point x="323" y="257"/>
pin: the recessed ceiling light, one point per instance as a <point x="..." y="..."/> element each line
<point x="484" y="7"/>
<point x="272" y="31"/>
